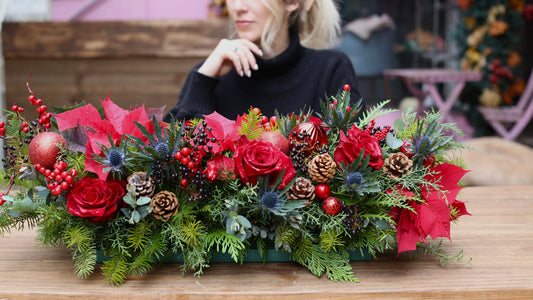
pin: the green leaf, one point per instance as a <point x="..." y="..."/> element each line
<point x="143" y="201"/>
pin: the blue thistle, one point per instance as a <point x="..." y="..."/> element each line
<point x="162" y="149"/>
<point x="114" y="159"/>
<point x="423" y="145"/>
<point x="354" y="178"/>
<point x="354" y="181"/>
<point x="270" y="200"/>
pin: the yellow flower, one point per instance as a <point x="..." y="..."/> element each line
<point x="490" y="98"/>
<point x="476" y="37"/>
<point x="472" y="54"/>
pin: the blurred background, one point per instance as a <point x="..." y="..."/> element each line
<point x="140" y="51"/>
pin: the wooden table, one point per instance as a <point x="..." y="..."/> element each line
<point x="498" y="237"/>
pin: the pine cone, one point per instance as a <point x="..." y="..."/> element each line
<point x="397" y="164"/>
<point x="164" y="205"/>
<point x="142" y="185"/>
<point x="321" y="168"/>
<point x="302" y="189"/>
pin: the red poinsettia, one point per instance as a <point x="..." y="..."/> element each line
<point x="116" y="124"/>
<point x="223" y="130"/>
<point x="432" y="217"/>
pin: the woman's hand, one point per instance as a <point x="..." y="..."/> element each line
<point x="230" y="53"/>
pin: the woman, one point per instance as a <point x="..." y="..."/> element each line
<point x="270" y="65"/>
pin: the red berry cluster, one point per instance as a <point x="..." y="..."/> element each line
<point x="2" y="128"/>
<point x="378" y="134"/>
<point x="44" y="116"/>
<point x="60" y="179"/>
<point x="498" y="72"/>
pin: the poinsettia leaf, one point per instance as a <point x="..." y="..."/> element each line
<point x="85" y="116"/>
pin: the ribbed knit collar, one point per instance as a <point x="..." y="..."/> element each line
<point x="282" y="63"/>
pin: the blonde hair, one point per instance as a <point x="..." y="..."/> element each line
<point x="318" y="28"/>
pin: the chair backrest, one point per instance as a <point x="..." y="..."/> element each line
<point x="527" y="95"/>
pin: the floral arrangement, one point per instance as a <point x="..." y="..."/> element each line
<point x="123" y="188"/>
<point x="487" y="39"/>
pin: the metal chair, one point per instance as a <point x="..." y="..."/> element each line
<point x="510" y="121"/>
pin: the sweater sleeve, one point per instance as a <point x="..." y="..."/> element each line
<point x="196" y="97"/>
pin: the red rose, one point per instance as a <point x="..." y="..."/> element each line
<point x="351" y="145"/>
<point x="94" y="199"/>
<point x="259" y="158"/>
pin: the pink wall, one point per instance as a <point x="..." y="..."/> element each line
<point x="121" y="10"/>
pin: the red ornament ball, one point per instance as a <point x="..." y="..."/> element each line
<point x="309" y="133"/>
<point x="277" y="139"/>
<point x="322" y="191"/>
<point x="332" y="206"/>
<point x="43" y="149"/>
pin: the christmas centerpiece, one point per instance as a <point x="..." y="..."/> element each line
<point x="123" y="188"/>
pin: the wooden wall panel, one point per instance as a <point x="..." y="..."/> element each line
<point x="143" y="61"/>
<point x="65" y="82"/>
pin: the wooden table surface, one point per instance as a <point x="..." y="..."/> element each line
<point x="498" y="237"/>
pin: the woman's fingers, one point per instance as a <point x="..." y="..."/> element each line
<point x="239" y="53"/>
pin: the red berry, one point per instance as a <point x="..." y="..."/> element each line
<point x="2" y="201"/>
<point x="264" y="119"/>
<point x="14" y="107"/>
<point x="64" y="186"/>
<point x="69" y="179"/>
<point x="56" y="191"/>
<point x="184" y="161"/>
<point x="2" y="124"/>
<point x="20" y="109"/>
<point x="256" y="111"/>
<point x="47" y="173"/>
<point x="43" y="108"/>
<point x="38" y="102"/>
<point x="46" y="125"/>
<point x="74" y="172"/>
<point x="185" y="151"/>
<point x="31" y="98"/>
<point x="184" y="182"/>
<point x="64" y="174"/>
<point x="346" y="87"/>
<point x="178" y="156"/>
<point x="274" y="120"/>
<point x="191" y="165"/>
<point x="322" y="191"/>
<point x="25" y="129"/>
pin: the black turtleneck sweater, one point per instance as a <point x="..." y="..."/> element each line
<point x="297" y="78"/>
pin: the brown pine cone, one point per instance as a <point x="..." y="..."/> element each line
<point x="322" y="168"/>
<point x="164" y="205"/>
<point x="302" y="189"/>
<point x="397" y="164"/>
<point x="142" y="185"/>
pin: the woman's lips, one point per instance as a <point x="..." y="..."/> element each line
<point x="243" y="23"/>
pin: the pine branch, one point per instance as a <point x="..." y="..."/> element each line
<point x="79" y="240"/>
<point x="225" y="243"/>
<point x="115" y="270"/>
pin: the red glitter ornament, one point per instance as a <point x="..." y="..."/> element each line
<point x="43" y="149"/>
<point x="308" y="134"/>
<point x="332" y="206"/>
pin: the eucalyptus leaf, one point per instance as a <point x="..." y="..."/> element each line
<point x="393" y="142"/>
<point x="245" y="222"/>
<point x="126" y="212"/>
<point x="129" y="200"/>
<point x="399" y="124"/>
<point x="26" y="173"/>
<point x="143" y="201"/>
<point x="136" y="216"/>
<point x="264" y="234"/>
